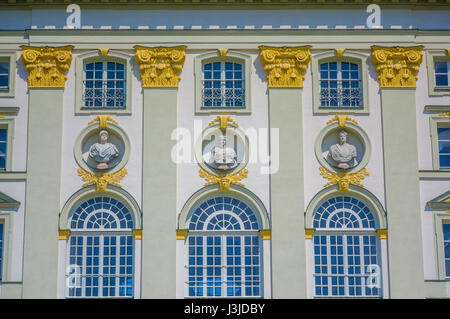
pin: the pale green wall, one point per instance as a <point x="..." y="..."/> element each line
<point x="287" y="203"/>
<point x="402" y="193"/>
<point x="158" y="193"/>
<point x="43" y="202"/>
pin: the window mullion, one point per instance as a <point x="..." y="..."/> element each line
<point x="222" y="82"/>
<point x="345" y="264"/>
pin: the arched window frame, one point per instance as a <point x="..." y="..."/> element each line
<point x="380" y="230"/>
<point x="65" y="232"/>
<point x="95" y="56"/>
<point x="211" y="57"/>
<point x="359" y="58"/>
<point x="183" y="233"/>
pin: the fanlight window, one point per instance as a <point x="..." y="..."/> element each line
<point x="223" y="85"/>
<point x="100" y="251"/>
<point x="224" y="250"/>
<point x="340" y="85"/>
<point x="104" y="85"/>
<point x="346" y="250"/>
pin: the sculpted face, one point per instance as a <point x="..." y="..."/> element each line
<point x="342" y="137"/>
<point x="103" y="136"/>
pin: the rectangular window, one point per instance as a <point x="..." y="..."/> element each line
<point x="446" y="233"/>
<point x="223" y="85"/>
<point x="340" y="85"/>
<point x="344" y="266"/>
<point x="104" y="85"/>
<point x="3" y="148"/>
<point x="442" y="73"/>
<point x="1" y="250"/>
<point x="4" y="75"/>
<point x="444" y="146"/>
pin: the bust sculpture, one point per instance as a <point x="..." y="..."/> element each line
<point x="222" y="157"/>
<point x="103" y="152"/>
<point x="342" y="155"/>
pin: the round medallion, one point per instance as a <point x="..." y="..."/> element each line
<point x="102" y="149"/>
<point x="222" y="151"/>
<point x="343" y="148"/>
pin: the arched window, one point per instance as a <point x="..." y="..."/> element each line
<point x="104" y="85"/>
<point x="340" y="85"/>
<point x="346" y="249"/>
<point x="224" y="250"/>
<point x="100" y="251"/>
<point x="223" y="84"/>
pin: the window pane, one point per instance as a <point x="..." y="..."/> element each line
<point x="444" y="133"/>
<point x="440" y="67"/>
<point x="446" y="231"/>
<point x="441" y="80"/>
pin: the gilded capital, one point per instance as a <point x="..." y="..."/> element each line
<point x="397" y="67"/>
<point x="285" y="66"/>
<point x="47" y="66"/>
<point x="160" y="66"/>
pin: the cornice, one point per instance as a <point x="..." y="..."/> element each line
<point x="236" y="3"/>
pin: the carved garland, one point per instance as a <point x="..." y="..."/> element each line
<point x="224" y="180"/>
<point x="397" y="67"/>
<point x="343" y="179"/>
<point x="160" y="66"/>
<point x="47" y="66"/>
<point x="101" y="180"/>
<point x="285" y="66"/>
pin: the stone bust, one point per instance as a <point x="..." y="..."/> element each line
<point x="103" y="152"/>
<point x="222" y="157"/>
<point x="342" y="155"/>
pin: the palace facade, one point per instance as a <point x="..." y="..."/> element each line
<point x="203" y="149"/>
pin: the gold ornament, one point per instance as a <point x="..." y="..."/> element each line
<point x="223" y="52"/>
<point x="103" y="52"/>
<point x="343" y="179"/>
<point x="224" y="180"/>
<point x="103" y="121"/>
<point x="47" y="66"/>
<point x="339" y="52"/>
<point x="224" y="120"/>
<point x="342" y="119"/>
<point x="444" y="114"/>
<point x="397" y="67"/>
<point x="102" y="179"/>
<point x="160" y="66"/>
<point x="285" y="66"/>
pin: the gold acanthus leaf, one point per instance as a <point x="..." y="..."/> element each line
<point x="342" y="119"/>
<point x="397" y="66"/>
<point x="285" y="66"/>
<point x="223" y="120"/>
<point x="47" y="66"/>
<point x="444" y="114"/>
<point x="343" y="179"/>
<point x="224" y="180"/>
<point x="160" y="66"/>
<point x="101" y="180"/>
<point x="103" y="121"/>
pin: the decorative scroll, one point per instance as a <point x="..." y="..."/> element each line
<point x="285" y="66"/>
<point x="160" y="66"/>
<point x="342" y="119"/>
<point x="224" y="120"/>
<point x="47" y="66"/>
<point x="223" y="180"/>
<point x="397" y="67"/>
<point x="103" y="121"/>
<point x="343" y="179"/>
<point x="101" y="180"/>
